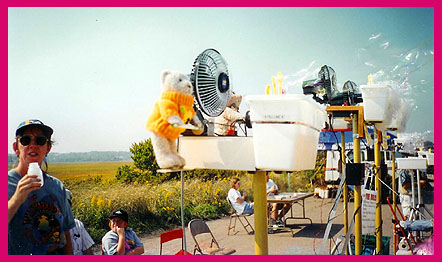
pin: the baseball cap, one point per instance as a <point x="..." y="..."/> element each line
<point x="121" y="214"/>
<point x="47" y="131"/>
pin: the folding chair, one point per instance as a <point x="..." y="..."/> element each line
<point x="171" y="235"/>
<point x="398" y="227"/>
<point x="237" y="216"/>
<point x="198" y="227"/>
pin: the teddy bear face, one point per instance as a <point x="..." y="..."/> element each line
<point x="177" y="82"/>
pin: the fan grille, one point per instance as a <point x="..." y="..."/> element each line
<point x="350" y="86"/>
<point x="328" y="79"/>
<point x="210" y="79"/>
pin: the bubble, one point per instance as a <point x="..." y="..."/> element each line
<point x="401" y="69"/>
<point x="385" y="45"/>
<point x="373" y="36"/>
<point x="295" y="80"/>
<point x="369" y="64"/>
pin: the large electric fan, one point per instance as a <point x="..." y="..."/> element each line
<point x="324" y="89"/>
<point x="351" y="92"/>
<point x="324" y="85"/>
<point x="210" y="79"/>
<point x="327" y="78"/>
<point x="350" y="87"/>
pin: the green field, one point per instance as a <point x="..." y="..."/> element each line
<point x="85" y="170"/>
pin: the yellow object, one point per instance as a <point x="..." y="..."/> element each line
<point x="370" y="80"/>
<point x="277" y="88"/>
<point x="377" y="162"/>
<point x="170" y="103"/>
<point x="268" y="90"/>
<point x="357" y="188"/>
<point x="280" y="79"/>
<point x="260" y="210"/>
<point x="274" y="85"/>
<point x="345" y="188"/>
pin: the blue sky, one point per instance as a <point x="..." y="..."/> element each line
<point x="93" y="74"/>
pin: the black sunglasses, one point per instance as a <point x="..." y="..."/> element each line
<point x="39" y="140"/>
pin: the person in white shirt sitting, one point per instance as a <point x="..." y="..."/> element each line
<point x="238" y="202"/>
<point x="272" y="189"/>
<point x="81" y="240"/>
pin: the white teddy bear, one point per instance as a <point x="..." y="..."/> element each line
<point x="169" y="117"/>
<point x="224" y="122"/>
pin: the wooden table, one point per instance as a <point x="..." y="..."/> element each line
<point x="291" y="198"/>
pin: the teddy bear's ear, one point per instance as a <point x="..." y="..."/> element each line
<point x="164" y="74"/>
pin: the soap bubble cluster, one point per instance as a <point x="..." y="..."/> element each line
<point x="404" y="70"/>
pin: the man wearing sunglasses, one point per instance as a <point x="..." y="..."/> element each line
<point x="39" y="217"/>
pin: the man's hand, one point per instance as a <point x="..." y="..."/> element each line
<point x="121" y="231"/>
<point x="26" y="185"/>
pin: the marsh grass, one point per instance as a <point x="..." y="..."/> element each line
<point x="152" y="207"/>
<point x="85" y="170"/>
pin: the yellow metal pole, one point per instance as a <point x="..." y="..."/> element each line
<point x="393" y="177"/>
<point x="345" y="192"/>
<point x="377" y="162"/>
<point x="357" y="189"/>
<point x="260" y="210"/>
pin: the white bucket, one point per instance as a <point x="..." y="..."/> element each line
<point x="400" y="116"/>
<point x="376" y="102"/>
<point x="285" y="131"/>
<point x="430" y="159"/>
<point x="411" y="163"/>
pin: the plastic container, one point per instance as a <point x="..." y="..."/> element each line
<point x="376" y="102"/>
<point x="285" y="131"/>
<point x="332" y="166"/>
<point x="411" y="163"/>
<point x="34" y="169"/>
<point x="430" y="159"/>
<point x="400" y="116"/>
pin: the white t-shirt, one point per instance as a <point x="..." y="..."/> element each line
<point x="81" y="240"/>
<point x="269" y="185"/>
<point x="233" y="195"/>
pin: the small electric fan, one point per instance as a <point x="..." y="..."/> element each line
<point x="210" y="80"/>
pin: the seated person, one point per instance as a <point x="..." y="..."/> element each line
<point x="405" y="192"/>
<point x="237" y="201"/>
<point x="121" y="240"/>
<point x="81" y="240"/>
<point x="272" y="189"/>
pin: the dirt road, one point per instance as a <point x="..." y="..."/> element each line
<point x="300" y="238"/>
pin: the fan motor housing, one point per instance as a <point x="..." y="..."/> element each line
<point x="223" y="82"/>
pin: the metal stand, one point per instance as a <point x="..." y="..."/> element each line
<point x="183" y="226"/>
<point x="357" y="118"/>
<point x="377" y="161"/>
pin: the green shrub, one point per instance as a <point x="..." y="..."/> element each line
<point x="206" y="211"/>
<point x="143" y="156"/>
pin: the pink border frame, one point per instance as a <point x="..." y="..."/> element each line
<point x="219" y="3"/>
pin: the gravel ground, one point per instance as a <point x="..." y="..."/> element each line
<point x="300" y="238"/>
